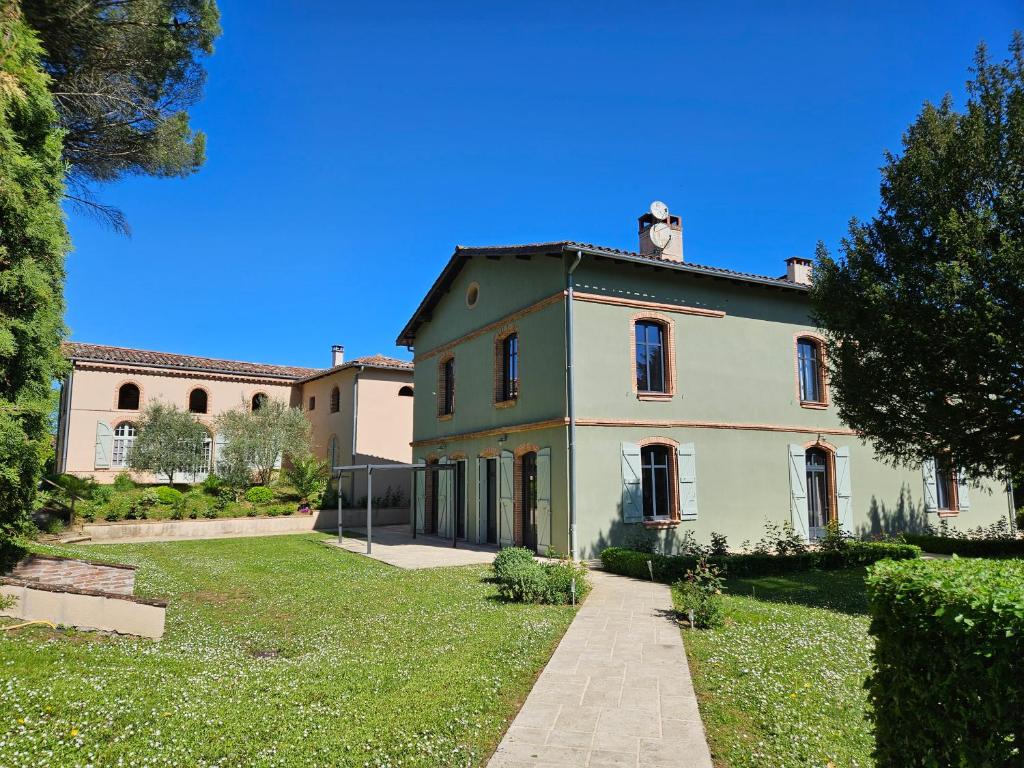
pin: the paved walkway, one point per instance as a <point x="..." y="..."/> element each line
<point x="616" y="692"/>
<point x="394" y="545"/>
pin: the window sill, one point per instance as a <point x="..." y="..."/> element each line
<point x="654" y="396"/>
<point x="813" y="405"/>
<point x="949" y="512"/>
<point x="506" y="403"/>
<point x="661" y="524"/>
<point x="445" y="417"/>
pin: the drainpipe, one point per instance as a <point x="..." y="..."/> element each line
<point x="570" y="389"/>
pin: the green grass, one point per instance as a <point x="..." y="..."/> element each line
<point x="279" y="651"/>
<point x="781" y="684"/>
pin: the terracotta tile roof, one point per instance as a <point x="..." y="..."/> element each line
<point x="462" y="253"/>
<point x="124" y="355"/>
<point x="369" y="361"/>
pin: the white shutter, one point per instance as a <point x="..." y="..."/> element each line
<point x="104" y="445"/>
<point x="962" y="491"/>
<point x="687" y="458"/>
<point x="930" y="491"/>
<point x="798" y="489"/>
<point x="419" y="483"/>
<point x="506" y="518"/>
<point x="444" y="494"/>
<point x="844" y="491"/>
<point x="543" y="500"/>
<point x="632" y="486"/>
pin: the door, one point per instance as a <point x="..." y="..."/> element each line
<point x="528" y="473"/>
<point x="432" y="479"/>
<point x="460" y="499"/>
<point x="490" y="500"/>
<point x="819" y="507"/>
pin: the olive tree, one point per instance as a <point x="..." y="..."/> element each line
<point x="257" y="441"/>
<point x="170" y="441"/>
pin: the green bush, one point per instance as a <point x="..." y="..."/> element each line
<point x="523" y="582"/>
<point x="223" y="499"/>
<point x="947" y="689"/>
<point x="149" y="498"/>
<point x="212" y="484"/>
<point x="523" y="578"/>
<point x="671" y="568"/>
<point x="259" y="494"/>
<point x="167" y="495"/>
<point x="559" y="577"/>
<point x="508" y="558"/>
<point x="102" y="494"/>
<point x="947" y="545"/>
<point x="123" y="482"/>
<point x="700" y="593"/>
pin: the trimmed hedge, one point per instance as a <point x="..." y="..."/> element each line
<point x="948" y="685"/>
<point x="671" y="568"/>
<point x="947" y="545"/>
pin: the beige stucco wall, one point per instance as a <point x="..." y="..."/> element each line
<point x="109" y="613"/>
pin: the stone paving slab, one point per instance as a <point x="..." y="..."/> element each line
<point x="394" y="545"/>
<point x="617" y="691"/>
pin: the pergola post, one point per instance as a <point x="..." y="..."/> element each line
<point x="339" y="508"/>
<point x="369" y="510"/>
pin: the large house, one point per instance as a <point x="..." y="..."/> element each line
<point x="360" y="411"/>
<point x="590" y="396"/>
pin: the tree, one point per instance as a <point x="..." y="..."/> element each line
<point x="33" y="243"/>
<point x="259" y="440"/>
<point x="309" y="477"/>
<point x="924" y="308"/>
<point x="74" y="488"/>
<point x="123" y="75"/>
<point x="169" y="441"/>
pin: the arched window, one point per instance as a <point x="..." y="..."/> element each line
<point x="128" y="397"/>
<point x="506" y="377"/>
<point x="335" y="400"/>
<point x="810" y="370"/>
<point x="259" y="400"/>
<point x="124" y="439"/>
<point x="657" y="464"/>
<point x="446" y="387"/>
<point x="197" y="401"/>
<point x="650" y="356"/>
<point x="820" y="509"/>
<point x="405" y="391"/>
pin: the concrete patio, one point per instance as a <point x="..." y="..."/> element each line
<point x="395" y="545"/>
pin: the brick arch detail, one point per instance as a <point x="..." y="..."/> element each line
<point x="117" y="391"/>
<point x="830" y="474"/>
<point x="670" y="353"/>
<point x="673" y="473"/>
<point x="209" y="399"/>
<point x="499" y="363"/>
<point x="822" y="353"/>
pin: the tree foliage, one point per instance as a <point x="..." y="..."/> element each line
<point x="924" y="308"/>
<point x="170" y="442"/>
<point x="33" y="243"/>
<point x="257" y="441"/>
<point x="309" y="476"/>
<point x="123" y="75"/>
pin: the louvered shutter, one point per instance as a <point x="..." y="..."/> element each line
<point x="419" y="481"/>
<point x="798" y="489"/>
<point x="480" y="522"/>
<point x="506" y="483"/>
<point x="543" y="500"/>
<point x="962" y="492"/>
<point x="931" y="494"/>
<point x="687" y="457"/>
<point x="444" y="494"/>
<point x="632" y="485"/>
<point x="104" y="445"/>
<point x="844" y="490"/>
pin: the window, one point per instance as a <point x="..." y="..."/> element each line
<point x="819" y="495"/>
<point x="197" y="401"/>
<point x="258" y="401"/>
<point x="124" y="439"/>
<point x="335" y="400"/>
<point x="405" y="392"/>
<point x="128" y="397"/>
<point x="945" y="488"/>
<point x="650" y="356"/>
<point x="656" y="479"/>
<point x="810" y="371"/>
<point x="312" y="403"/>
<point x="472" y="295"/>
<point x="508" y="388"/>
<point x="446" y="388"/>
<point x="206" y="458"/>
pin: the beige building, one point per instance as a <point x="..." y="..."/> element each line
<point x="360" y="411"/>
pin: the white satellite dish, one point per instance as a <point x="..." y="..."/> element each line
<point x="659" y="210"/>
<point x="660" y="235"/>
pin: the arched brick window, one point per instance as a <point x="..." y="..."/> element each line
<point x="810" y="370"/>
<point x="259" y="400"/>
<point x="405" y="391"/>
<point x="335" y="400"/>
<point x="198" y="401"/>
<point x="128" y="397"/>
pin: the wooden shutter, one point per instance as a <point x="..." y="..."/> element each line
<point x="632" y="485"/>
<point x="931" y="494"/>
<point x="687" y="458"/>
<point x="481" y="465"/>
<point x="419" y="486"/>
<point x="798" y="489"/>
<point x="506" y="505"/>
<point x="444" y="495"/>
<point x="104" y="445"/>
<point x="543" y="500"/>
<point x="962" y="491"/>
<point x="844" y="491"/>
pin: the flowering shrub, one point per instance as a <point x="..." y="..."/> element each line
<point x="701" y="593"/>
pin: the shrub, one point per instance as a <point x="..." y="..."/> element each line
<point x="701" y="593"/>
<point x="948" y="545"/>
<point x="149" y="498"/>
<point x="102" y="494"/>
<point x="259" y="494"/>
<point x="210" y="512"/>
<point x="523" y="578"/>
<point x="123" y="482"/>
<point x="167" y="495"/>
<point x="523" y="581"/>
<point x="947" y="687"/>
<point x="508" y="558"/>
<point x="560" y="576"/>
<point x="212" y="484"/>
<point x="113" y="515"/>
<point x="719" y="544"/>
<point x="223" y="499"/>
<point x="274" y="510"/>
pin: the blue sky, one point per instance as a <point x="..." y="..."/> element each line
<point x="351" y="147"/>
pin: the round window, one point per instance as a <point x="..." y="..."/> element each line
<point x="472" y="295"/>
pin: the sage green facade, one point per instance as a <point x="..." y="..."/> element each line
<point x="734" y="410"/>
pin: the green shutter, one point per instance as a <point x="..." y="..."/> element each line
<point x="632" y="487"/>
<point x="480" y="523"/>
<point x="962" y="492"/>
<point x="444" y="494"/>
<point x="844" y="490"/>
<point x="506" y="484"/>
<point x="687" y="458"/>
<point x="104" y="445"/>
<point x="931" y="494"/>
<point x="798" y="490"/>
<point x="543" y="500"/>
<point x="419" y="483"/>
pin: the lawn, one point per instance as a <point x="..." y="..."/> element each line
<point x="781" y="684"/>
<point x="279" y="651"/>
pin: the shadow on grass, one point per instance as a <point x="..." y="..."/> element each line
<point x="841" y="591"/>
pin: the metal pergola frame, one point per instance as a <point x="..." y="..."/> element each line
<point x="370" y="469"/>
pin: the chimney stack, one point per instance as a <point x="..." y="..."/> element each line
<point x="337" y="355"/>
<point x="799" y="270"/>
<point x="661" y="233"/>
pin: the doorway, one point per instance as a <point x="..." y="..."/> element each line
<point x="490" y="500"/>
<point x="430" y="525"/>
<point x="460" y="499"/>
<point x="528" y="475"/>
<point x="819" y="498"/>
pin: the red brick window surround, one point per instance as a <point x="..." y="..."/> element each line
<point x="947" y="492"/>
<point x="506" y="368"/>
<point x="446" y="387"/>
<point x="129" y="396"/>
<point x="810" y="370"/>
<point x="652" y="356"/>
<point x="517" y="490"/>
<point x="652" y="457"/>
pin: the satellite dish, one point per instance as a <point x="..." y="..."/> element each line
<point x="660" y="235"/>
<point x="659" y="210"/>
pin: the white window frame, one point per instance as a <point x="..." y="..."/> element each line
<point x="123" y="442"/>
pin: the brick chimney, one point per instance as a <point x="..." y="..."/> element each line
<point x="337" y="355"/>
<point x="661" y="233"/>
<point x="798" y="270"/>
